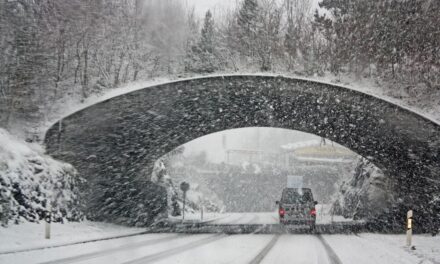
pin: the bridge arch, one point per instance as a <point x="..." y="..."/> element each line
<point x="124" y="136"/>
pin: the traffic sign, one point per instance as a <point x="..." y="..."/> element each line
<point x="184" y="186"/>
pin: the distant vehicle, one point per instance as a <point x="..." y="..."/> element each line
<point x="297" y="207"/>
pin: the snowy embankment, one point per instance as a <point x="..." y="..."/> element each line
<point x="32" y="184"/>
<point x="30" y="236"/>
<point x="377" y="248"/>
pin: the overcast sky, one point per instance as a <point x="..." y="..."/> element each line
<point x="270" y="139"/>
<point x="201" y="6"/>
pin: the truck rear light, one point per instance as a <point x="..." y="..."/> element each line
<point x="281" y="212"/>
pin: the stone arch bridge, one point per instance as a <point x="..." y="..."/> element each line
<point x="122" y="137"/>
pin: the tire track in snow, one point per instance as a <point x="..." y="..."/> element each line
<point x="265" y="250"/>
<point x="177" y="250"/>
<point x="332" y="257"/>
<point x="104" y="252"/>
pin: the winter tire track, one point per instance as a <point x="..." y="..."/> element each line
<point x="174" y="251"/>
<point x="265" y="250"/>
<point x="332" y="257"/>
<point x="101" y="253"/>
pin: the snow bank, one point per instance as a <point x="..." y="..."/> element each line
<point x="30" y="181"/>
<point x="378" y="248"/>
<point x="30" y="235"/>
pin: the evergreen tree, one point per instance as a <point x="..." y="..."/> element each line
<point x="208" y="37"/>
<point x="268" y="37"/>
<point x="202" y="56"/>
<point x="246" y="27"/>
<point x="206" y="48"/>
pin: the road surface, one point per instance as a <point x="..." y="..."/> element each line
<point x="223" y="248"/>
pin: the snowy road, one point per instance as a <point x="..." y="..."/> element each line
<point x="220" y="248"/>
<point x="243" y="248"/>
<point x="271" y="218"/>
<point x="247" y="218"/>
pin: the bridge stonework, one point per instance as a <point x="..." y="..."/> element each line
<point x="122" y="137"/>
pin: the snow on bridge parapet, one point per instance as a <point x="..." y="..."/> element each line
<point x="66" y="108"/>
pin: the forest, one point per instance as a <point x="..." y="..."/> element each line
<point x="55" y="51"/>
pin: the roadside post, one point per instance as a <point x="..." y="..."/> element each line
<point x="184" y="186"/>
<point x="201" y="213"/>
<point x="48" y="220"/>
<point x="2" y="215"/>
<point x="201" y="209"/>
<point x="409" y="226"/>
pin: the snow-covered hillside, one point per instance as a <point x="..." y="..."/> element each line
<point x="30" y="181"/>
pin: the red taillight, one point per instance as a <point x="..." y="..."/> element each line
<point x="313" y="212"/>
<point x="281" y="212"/>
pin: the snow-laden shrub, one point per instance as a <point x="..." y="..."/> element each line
<point x="31" y="183"/>
<point x="365" y="195"/>
<point x="195" y="197"/>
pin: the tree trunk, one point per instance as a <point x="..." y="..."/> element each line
<point x="85" y="73"/>
<point x="126" y="73"/>
<point x="118" y="69"/>
<point x="136" y="71"/>
<point x="78" y="65"/>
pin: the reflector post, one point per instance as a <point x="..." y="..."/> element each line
<point x="409" y="226"/>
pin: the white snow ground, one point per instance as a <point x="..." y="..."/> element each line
<point x="31" y="235"/>
<point x="210" y="248"/>
<point x="220" y="248"/>
<point x="377" y="248"/>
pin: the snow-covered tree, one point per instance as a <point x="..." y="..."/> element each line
<point x="202" y="57"/>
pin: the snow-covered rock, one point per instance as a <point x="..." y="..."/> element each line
<point x="31" y="183"/>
